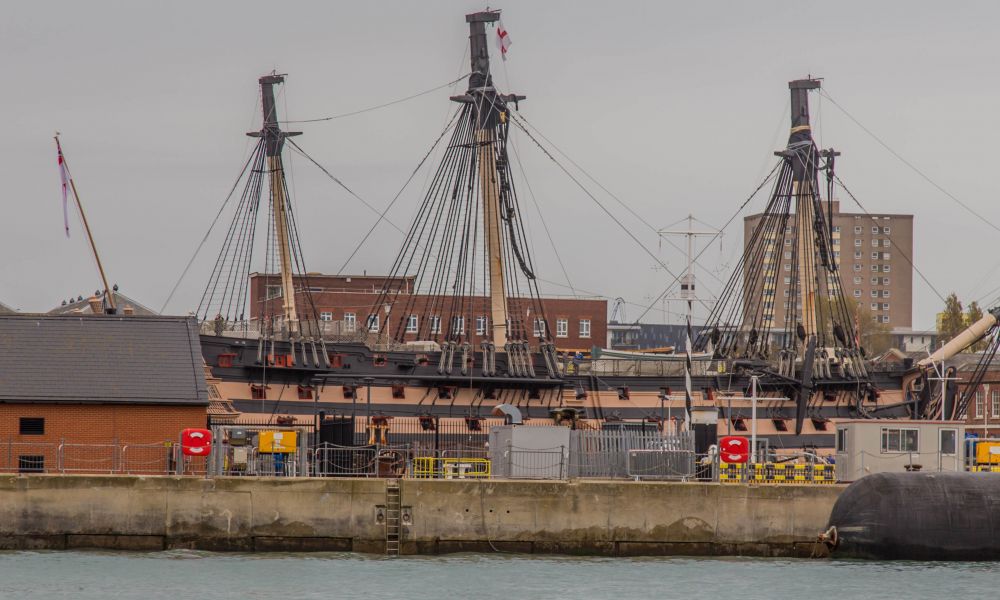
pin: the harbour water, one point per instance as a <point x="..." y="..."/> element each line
<point x="179" y="575"/>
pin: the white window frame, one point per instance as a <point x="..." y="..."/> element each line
<point x="458" y="325"/>
<point x="874" y="229"/>
<point x="325" y="315"/>
<point x="954" y="433"/>
<point x="412" y="324"/>
<point x="857" y="242"/>
<point x="980" y="404"/>
<point x="435" y="324"/>
<point x="562" y="328"/>
<point x="585" y="327"/>
<point x="481" y="324"/>
<point x="350" y="321"/>
<point x="538" y="327"/>
<point x="857" y="230"/>
<point x="857" y="268"/>
<point x="373" y="323"/>
<point x="857" y="293"/>
<point x="886" y="230"/>
<point x="875" y="243"/>
<point x="885" y="268"/>
<point x="995" y="404"/>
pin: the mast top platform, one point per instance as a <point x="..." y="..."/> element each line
<point x="805" y="84"/>
<point x="486" y="16"/>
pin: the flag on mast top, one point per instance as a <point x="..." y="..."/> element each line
<point x="503" y="39"/>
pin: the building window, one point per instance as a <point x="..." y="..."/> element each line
<point x="412" y="324"/>
<point x="885" y="281"/>
<point x="562" y="328"/>
<point x="772" y="293"/>
<point x="875" y="255"/>
<point x="788" y="256"/>
<point x="885" y="306"/>
<point x="898" y="439"/>
<point x="350" y="321"/>
<point x="874" y="293"/>
<point x="836" y="228"/>
<point x="885" y="268"/>
<point x="257" y="392"/>
<point x="886" y="243"/>
<point x="788" y="280"/>
<point x="585" y="328"/>
<point x="980" y="404"/>
<point x="874" y="281"/>
<point x="539" y="328"/>
<point x="836" y="253"/>
<point x="326" y="316"/>
<point x="788" y="242"/>
<point x="857" y="279"/>
<point x="273" y="291"/>
<point x="874" y="243"/>
<point x="32" y="426"/>
<point x="788" y="267"/>
<point x="373" y="323"/>
<point x="305" y="392"/>
<point x="841" y="445"/>
<point x="885" y="293"/>
<point x="995" y="404"/>
<point x="481" y="325"/>
<point x="857" y="293"/>
<point x="31" y="463"/>
<point x="885" y="230"/>
<point x="857" y="254"/>
<point x="857" y="268"/>
<point x="857" y="242"/>
<point x="857" y="230"/>
<point x="435" y="324"/>
<point x="457" y="325"/>
<point x="875" y="268"/>
<point x="874" y="229"/>
<point x="874" y="306"/>
<point x="885" y="318"/>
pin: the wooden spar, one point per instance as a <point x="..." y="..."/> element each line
<point x="491" y="225"/>
<point x="802" y="191"/>
<point x="108" y="294"/>
<point x="281" y="233"/>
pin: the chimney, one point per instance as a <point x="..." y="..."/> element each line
<point x="95" y="304"/>
<point x="128" y="310"/>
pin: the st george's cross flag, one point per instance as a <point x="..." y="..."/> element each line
<point x="503" y="39"/>
<point x="64" y="175"/>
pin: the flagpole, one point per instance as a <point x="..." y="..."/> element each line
<point x="86" y="227"/>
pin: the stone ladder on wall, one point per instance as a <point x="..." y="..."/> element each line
<point x="393" y="509"/>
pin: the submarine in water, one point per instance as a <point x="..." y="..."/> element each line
<point x="917" y="516"/>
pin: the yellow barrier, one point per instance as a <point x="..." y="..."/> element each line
<point x="984" y="469"/>
<point x="430" y="467"/>
<point x="777" y="473"/>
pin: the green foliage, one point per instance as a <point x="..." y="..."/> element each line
<point x="951" y="322"/>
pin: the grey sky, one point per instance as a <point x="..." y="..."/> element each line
<point x="675" y="107"/>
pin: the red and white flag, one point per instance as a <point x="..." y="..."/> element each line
<point x="64" y="175"/>
<point x="503" y="39"/>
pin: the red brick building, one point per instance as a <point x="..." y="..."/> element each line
<point x="347" y="303"/>
<point x="88" y="393"/>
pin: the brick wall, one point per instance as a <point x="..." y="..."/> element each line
<point x="100" y="423"/>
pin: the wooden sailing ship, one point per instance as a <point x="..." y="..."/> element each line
<point x="418" y="362"/>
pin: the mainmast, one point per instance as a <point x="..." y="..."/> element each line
<point x="489" y="110"/>
<point x="274" y="139"/>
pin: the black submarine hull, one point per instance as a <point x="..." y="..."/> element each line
<point x="919" y="516"/>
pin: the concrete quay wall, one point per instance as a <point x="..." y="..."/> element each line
<point x="569" y="517"/>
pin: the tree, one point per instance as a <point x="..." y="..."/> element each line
<point x="951" y="322"/>
<point x="973" y="314"/>
<point x="875" y="337"/>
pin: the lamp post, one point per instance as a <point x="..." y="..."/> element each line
<point x="753" y="419"/>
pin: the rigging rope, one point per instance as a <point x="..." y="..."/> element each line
<point x="383" y="105"/>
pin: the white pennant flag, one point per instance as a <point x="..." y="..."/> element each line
<point x="503" y="40"/>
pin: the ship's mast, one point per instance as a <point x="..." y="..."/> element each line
<point x="488" y="112"/>
<point x="803" y="193"/>
<point x="274" y="140"/>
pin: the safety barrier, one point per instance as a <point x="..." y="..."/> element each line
<point x="457" y="467"/>
<point x="777" y="473"/>
<point x="985" y="468"/>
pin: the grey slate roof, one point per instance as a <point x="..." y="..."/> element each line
<point x="82" y="306"/>
<point x="101" y="359"/>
